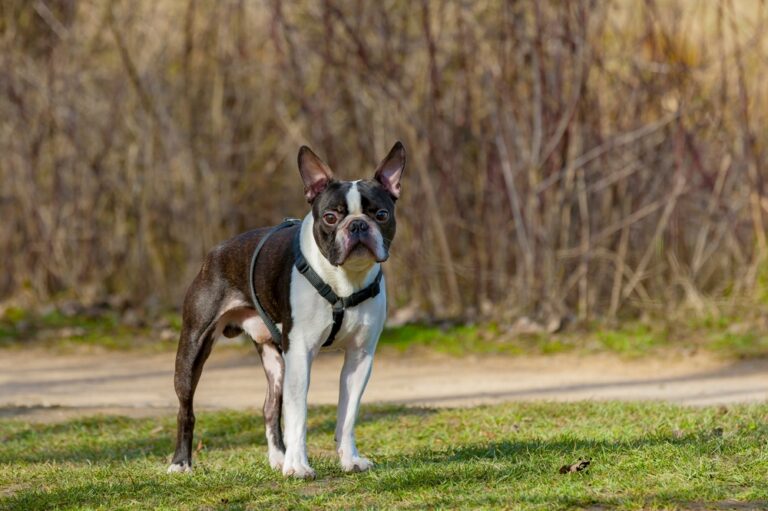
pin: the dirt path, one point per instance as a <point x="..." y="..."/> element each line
<point x="36" y="385"/>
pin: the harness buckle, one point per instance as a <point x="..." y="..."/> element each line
<point x="325" y="290"/>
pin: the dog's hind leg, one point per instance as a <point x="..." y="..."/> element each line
<point x="195" y="343"/>
<point x="274" y="368"/>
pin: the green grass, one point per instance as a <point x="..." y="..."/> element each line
<point x="456" y="340"/>
<point x="644" y="456"/>
<point x="471" y="339"/>
<point x="20" y="328"/>
<point x="634" y="339"/>
<point x="725" y="336"/>
<point x="630" y="340"/>
<point x="743" y="345"/>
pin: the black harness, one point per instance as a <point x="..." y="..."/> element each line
<point x="338" y="304"/>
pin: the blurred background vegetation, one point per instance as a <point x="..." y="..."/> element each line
<point x="569" y="162"/>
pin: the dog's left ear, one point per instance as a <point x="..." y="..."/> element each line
<point x="390" y="170"/>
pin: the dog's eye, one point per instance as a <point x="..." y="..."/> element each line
<point x="330" y="218"/>
<point x="382" y="215"/>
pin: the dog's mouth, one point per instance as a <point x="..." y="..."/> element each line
<point x="361" y="249"/>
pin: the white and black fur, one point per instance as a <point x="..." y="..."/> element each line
<point x="345" y="238"/>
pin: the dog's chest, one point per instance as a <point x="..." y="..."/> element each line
<point x="313" y="317"/>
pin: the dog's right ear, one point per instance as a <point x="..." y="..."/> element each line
<point x="390" y="170"/>
<point x="314" y="172"/>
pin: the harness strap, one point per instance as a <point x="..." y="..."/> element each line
<point x="339" y="305"/>
<point x="277" y="335"/>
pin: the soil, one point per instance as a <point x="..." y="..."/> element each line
<point x="38" y="385"/>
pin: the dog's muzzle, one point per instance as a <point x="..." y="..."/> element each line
<point x="359" y="238"/>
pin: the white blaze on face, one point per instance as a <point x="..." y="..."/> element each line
<point x="355" y="211"/>
<point x="354" y="205"/>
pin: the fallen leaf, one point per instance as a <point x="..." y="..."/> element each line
<point x="575" y="467"/>
<point x="156" y="430"/>
<point x="200" y="446"/>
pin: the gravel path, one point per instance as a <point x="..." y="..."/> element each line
<point x="37" y="385"/>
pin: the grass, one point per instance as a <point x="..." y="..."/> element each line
<point x="456" y="340"/>
<point x="728" y="337"/>
<point x="21" y="328"/>
<point x="644" y="456"/>
<point x="630" y="340"/>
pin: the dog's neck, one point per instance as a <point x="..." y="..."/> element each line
<point x="345" y="279"/>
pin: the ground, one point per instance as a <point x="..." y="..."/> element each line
<point x="35" y="384"/>
<point x="643" y="456"/>
<point x="93" y="428"/>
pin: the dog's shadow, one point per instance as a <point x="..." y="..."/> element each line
<point x="102" y="438"/>
<point x="105" y="440"/>
<point x="324" y="420"/>
<point x="111" y="438"/>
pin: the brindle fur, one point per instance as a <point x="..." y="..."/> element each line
<point x="222" y="278"/>
<point x="222" y="287"/>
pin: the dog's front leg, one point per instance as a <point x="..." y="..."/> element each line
<point x="354" y="378"/>
<point x="298" y="361"/>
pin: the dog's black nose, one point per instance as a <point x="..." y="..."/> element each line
<point x="358" y="226"/>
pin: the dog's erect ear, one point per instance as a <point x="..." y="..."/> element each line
<point x="314" y="172"/>
<point x="390" y="170"/>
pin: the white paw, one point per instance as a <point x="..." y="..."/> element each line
<point x="276" y="459"/>
<point x="298" y="470"/>
<point x="180" y="468"/>
<point x="356" y="464"/>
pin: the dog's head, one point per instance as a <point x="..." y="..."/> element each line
<point x="354" y="221"/>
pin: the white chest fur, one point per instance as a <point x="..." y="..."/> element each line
<point x="313" y="318"/>
<point x="312" y="314"/>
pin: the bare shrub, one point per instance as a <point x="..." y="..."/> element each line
<point x="590" y="158"/>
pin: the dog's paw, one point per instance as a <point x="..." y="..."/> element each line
<point x="356" y="464"/>
<point x="180" y="468"/>
<point x="298" y="470"/>
<point x="276" y="459"/>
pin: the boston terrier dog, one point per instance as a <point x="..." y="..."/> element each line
<point x="312" y="284"/>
